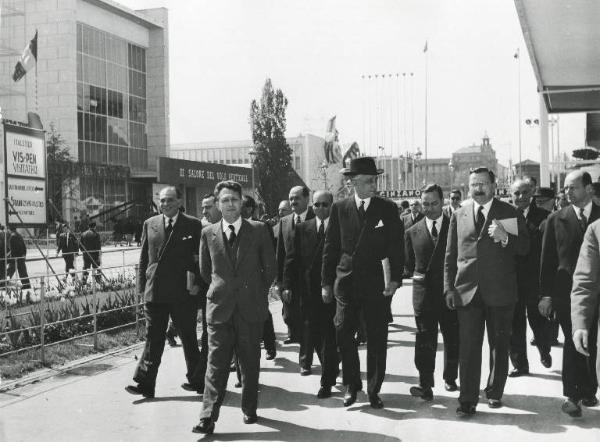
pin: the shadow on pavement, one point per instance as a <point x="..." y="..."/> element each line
<point x="86" y="370"/>
<point x="287" y="431"/>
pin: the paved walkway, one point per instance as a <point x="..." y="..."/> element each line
<point x="88" y="403"/>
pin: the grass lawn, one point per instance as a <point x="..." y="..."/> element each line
<point x="18" y="365"/>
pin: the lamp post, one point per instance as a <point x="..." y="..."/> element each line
<point x="252" y="152"/>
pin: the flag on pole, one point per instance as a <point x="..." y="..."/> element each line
<point x="425" y="48"/>
<point x="28" y="59"/>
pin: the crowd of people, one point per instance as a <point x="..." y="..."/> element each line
<point x="475" y="265"/>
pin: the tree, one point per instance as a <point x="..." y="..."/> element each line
<point x="273" y="160"/>
<point x="62" y="171"/>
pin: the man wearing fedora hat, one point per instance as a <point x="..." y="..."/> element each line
<point x="363" y="230"/>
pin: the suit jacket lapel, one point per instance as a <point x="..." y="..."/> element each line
<point x="220" y="243"/>
<point x="243" y="243"/>
<point x="488" y="219"/>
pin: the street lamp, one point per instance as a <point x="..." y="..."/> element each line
<point x="252" y="152"/>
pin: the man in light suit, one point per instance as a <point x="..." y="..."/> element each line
<point x="455" y="198"/>
<point x="168" y="263"/>
<point x="480" y="281"/>
<point x="305" y="262"/>
<point x="414" y="216"/>
<point x="585" y="296"/>
<point x="425" y="245"/>
<point x="238" y="263"/>
<point x="561" y="243"/>
<point x="363" y="230"/>
<point x="299" y="198"/>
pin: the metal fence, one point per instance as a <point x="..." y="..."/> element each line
<point x="29" y="315"/>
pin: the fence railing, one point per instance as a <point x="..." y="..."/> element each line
<point x="88" y="303"/>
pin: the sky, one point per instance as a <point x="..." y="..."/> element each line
<point x="318" y="51"/>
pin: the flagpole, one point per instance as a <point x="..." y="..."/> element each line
<point x="426" y="87"/>
<point x="519" y="107"/>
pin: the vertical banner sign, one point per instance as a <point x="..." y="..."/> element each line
<point x="25" y="175"/>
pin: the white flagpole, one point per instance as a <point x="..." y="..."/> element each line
<point x="426" y="86"/>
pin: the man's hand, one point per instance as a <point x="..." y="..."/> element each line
<point x="497" y="232"/>
<point x="286" y="295"/>
<point x="276" y="291"/>
<point x="580" y="339"/>
<point x="450" y="300"/>
<point x="195" y="290"/>
<point x="327" y="294"/>
<point x="391" y="288"/>
<point x="545" y="306"/>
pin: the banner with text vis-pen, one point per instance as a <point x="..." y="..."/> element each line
<point x="25" y="175"/>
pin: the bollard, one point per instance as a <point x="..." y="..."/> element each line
<point x="95" y="307"/>
<point x="137" y="303"/>
<point x="42" y="318"/>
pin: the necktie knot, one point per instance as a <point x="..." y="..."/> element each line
<point x="480" y="220"/>
<point x="321" y="232"/>
<point x="434" y="231"/>
<point x="232" y="235"/>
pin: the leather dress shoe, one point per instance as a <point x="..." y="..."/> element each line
<point x="465" y="409"/>
<point x="494" y="403"/>
<point x="305" y="371"/>
<point x="270" y="355"/>
<point x="425" y="393"/>
<point x="517" y="372"/>
<point x="193" y="387"/>
<point x="250" y="418"/>
<point x="147" y="392"/>
<point x="350" y="396"/>
<point x="375" y="401"/>
<point x="571" y="407"/>
<point x="450" y="386"/>
<point x="546" y="360"/>
<point x="324" y="392"/>
<point x="590" y="401"/>
<point x="206" y="426"/>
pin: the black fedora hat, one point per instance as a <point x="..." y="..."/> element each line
<point x="362" y="166"/>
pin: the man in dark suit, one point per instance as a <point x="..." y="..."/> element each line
<point x="168" y="278"/>
<point x="299" y="198"/>
<point x="585" y="303"/>
<point x="414" y="216"/>
<point x="90" y="246"/>
<point x="425" y="245"/>
<point x="528" y="284"/>
<point x="305" y="262"/>
<point x="67" y="244"/>
<point x="363" y="231"/>
<point x="238" y="263"/>
<point x="561" y="243"/>
<point x="455" y="198"/>
<point x="480" y="281"/>
<point x="18" y="252"/>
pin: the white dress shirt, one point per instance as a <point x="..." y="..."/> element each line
<point x="320" y="221"/>
<point x="587" y="211"/>
<point x="173" y="219"/>
<point x="358" y="200"/>
<point x="237" y="225"/>
<point x="486" y="208"/>
<point x="438" y="224"/>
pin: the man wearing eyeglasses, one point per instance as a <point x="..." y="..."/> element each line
<point x="304" y="262"/>
<point x="455" y="199"/>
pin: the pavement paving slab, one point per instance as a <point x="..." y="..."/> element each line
<point x="88" y="402"/>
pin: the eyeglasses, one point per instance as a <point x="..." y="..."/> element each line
<point x="324" y="205"/>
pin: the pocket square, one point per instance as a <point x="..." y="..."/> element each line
<point x="379" y="224"/>
<point x="186" y="237"/>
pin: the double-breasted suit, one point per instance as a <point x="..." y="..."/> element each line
<point x="239" y="277"/>
<point x="528" y="283"/>
<point x="285" y="243"/>
<point x="352" y="265"/>
<point x="162" y="281"/>
<point x="481" y="277"/>
<point x="561" y="243"/>
<point x="425" y="262"/>
<point x="305" y="263"/>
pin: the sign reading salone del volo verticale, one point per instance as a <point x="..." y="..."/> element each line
<point x="25" y="175"/>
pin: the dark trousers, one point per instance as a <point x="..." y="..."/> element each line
<point x="157" y="319"/>
<point x="269" y="334"/>
<point x="69" y="262"/>
<point x="347" y="323"/>
<point x="319" y="336"/>
<point x="21" y="267"/>
<point x="223" y="338"/>
<point x="578" y="371"/>
<point x="292" y="316"/>
<point x="527" y="310"/>
<point x="426" y="341"/>
<point x="93" y="263"/>
<point x="473" y="319"/>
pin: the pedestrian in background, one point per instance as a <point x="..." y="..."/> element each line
<point x="90" y="246"/>
<point x="18" y="252"/>
<point x="68" y="245"/>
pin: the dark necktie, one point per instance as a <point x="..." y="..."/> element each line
<point x="361" y="211"/>
<point x="232" y="235"/>
<point x="582" y="219"/>
<point x="434" y="231"/>
<point x="169" y="227"/>
<point x="480" y="220"/>
<point x="321" y="232"/>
